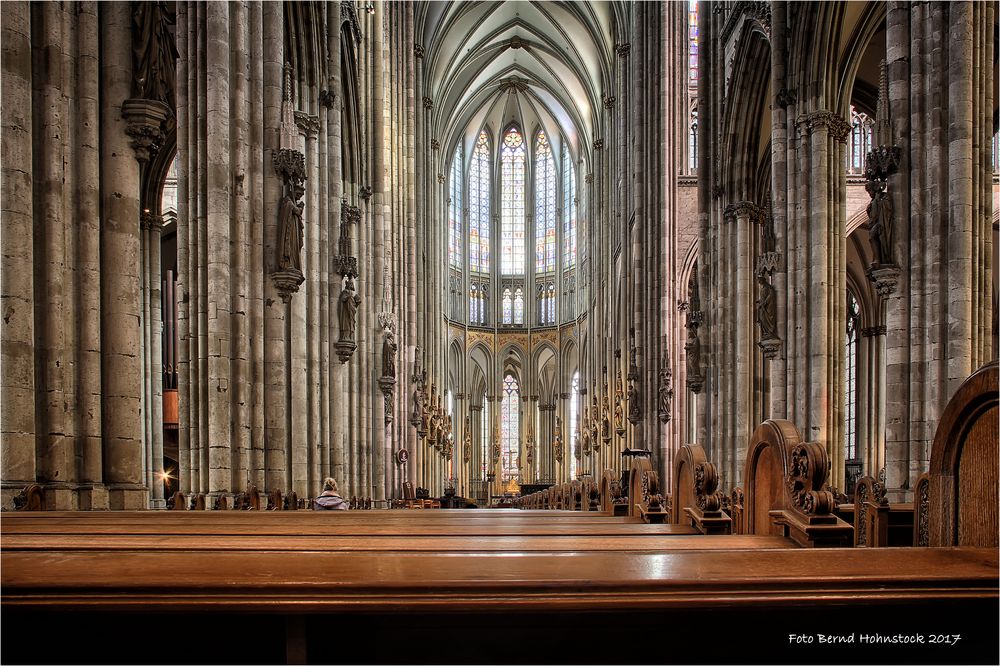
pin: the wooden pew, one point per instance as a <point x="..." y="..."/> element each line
<point x="961" y="502"/>
<point x="877" y="523"/>
<point x="784" y="489"/>
<point x="696" y="499"/>
<point x="645" y="500"/>
<point x="77" y="575"/>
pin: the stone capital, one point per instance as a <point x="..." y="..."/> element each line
<point x="747" y="209"/>
<point x="823" y="120"/>
<point x="623" y="50"/>
<point x="872" y="331"/>
<point x="307" y="124"/>
<point x="418" y="51"/>
<point x="148" y="221"/>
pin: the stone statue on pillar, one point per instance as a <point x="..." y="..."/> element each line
<point x="767" y="309"/>
<point x="290" y="229"/>
<point x="347" y="317"/>
<point x="666" y="394"/>
<point x="350" y="301"/>
<point x="154" y="52"/>
<point x="287" y="275"/>
<point x="879" y="222"/>
<point x="389" y="354"/>
<point x="557" y="441"/>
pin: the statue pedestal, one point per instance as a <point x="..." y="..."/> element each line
<point x="771" y="347"/>
<point x="885" y="277"/>
<point x="287" y="282"/>
<point x="344" y="350"/>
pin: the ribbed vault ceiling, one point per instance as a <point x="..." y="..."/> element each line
<point x="540" y="64"/>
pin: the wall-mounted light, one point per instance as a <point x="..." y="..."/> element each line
<point x="370" y="8"/>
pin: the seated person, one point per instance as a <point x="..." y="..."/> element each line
<point x="329" y="499"/>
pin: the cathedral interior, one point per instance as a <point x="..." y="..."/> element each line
<point x="483" y="249"/>
<point x="503" y="242"/>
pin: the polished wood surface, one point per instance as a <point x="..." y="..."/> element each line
<point x="964" y="473"/>
<point x="456" y="581"/>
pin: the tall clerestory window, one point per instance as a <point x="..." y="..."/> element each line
<point x="569" y="210"/>
<point x="574" y="414"/>
<point x="693" y="42"/>
<point x="545" y="206"/>
<point x="479" y="206"/>
<point x="512" y="169"/>
<point x="510" y="427"/>
<point x="484" y="437"/>
<point x="455" y="211"/>
<point x="862" y="129"/>
<point x="851" y="379"/>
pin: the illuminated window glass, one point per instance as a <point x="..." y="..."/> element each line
<point x="512" y="162"/>
<point x="545" y="206"/>
<point x="484" y="437"/>
<point x="507" y="307"/>
<point x="574" y="414"/>
<point x="519" y="306"/>
<point x="569" y="211"/>
<point x="851" y="379"/>
<point x="479" y="206"/>
<point x="862" y="127"/>
<point x="693" y="42"/>
<point x="474" y="304"/>
<point x="455" y="211"/>
<point x="510" y="427"/>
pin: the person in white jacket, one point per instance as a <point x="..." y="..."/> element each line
<point x="329" y="499"/>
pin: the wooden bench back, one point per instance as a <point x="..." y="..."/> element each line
<point x="785" y="490"/>
<point x="963" y="470"/>
<point x="764" y="475"/>
<point x="696" y="499"/>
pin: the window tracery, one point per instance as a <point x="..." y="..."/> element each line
<point x="512" y="169"/>
<point x="545" y="206"/>
<point x="510" y="427"/>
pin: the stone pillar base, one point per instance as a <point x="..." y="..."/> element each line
<point x="60" y="498"/>
<point x="127" y="497"/>
<point x="93" y="498"/>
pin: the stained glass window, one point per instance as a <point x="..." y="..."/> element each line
<point x="479" y="206"/>
<point x="519" y="306"/>
<point x="861" y="141"/>
<point x="510" y="427"/>
<point x="507" y="305"/>
<point x="851" y="379"/>
<point x="484" y="437"/>
<point x="569" y="211"/>
<point x="474" y="304"/>
<point x="574" y="414"/>
<point x="693" y="42"/>
<point x="545" y="206"/>
<point x="512" y="162"/>
<point x="455" y="211"/>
